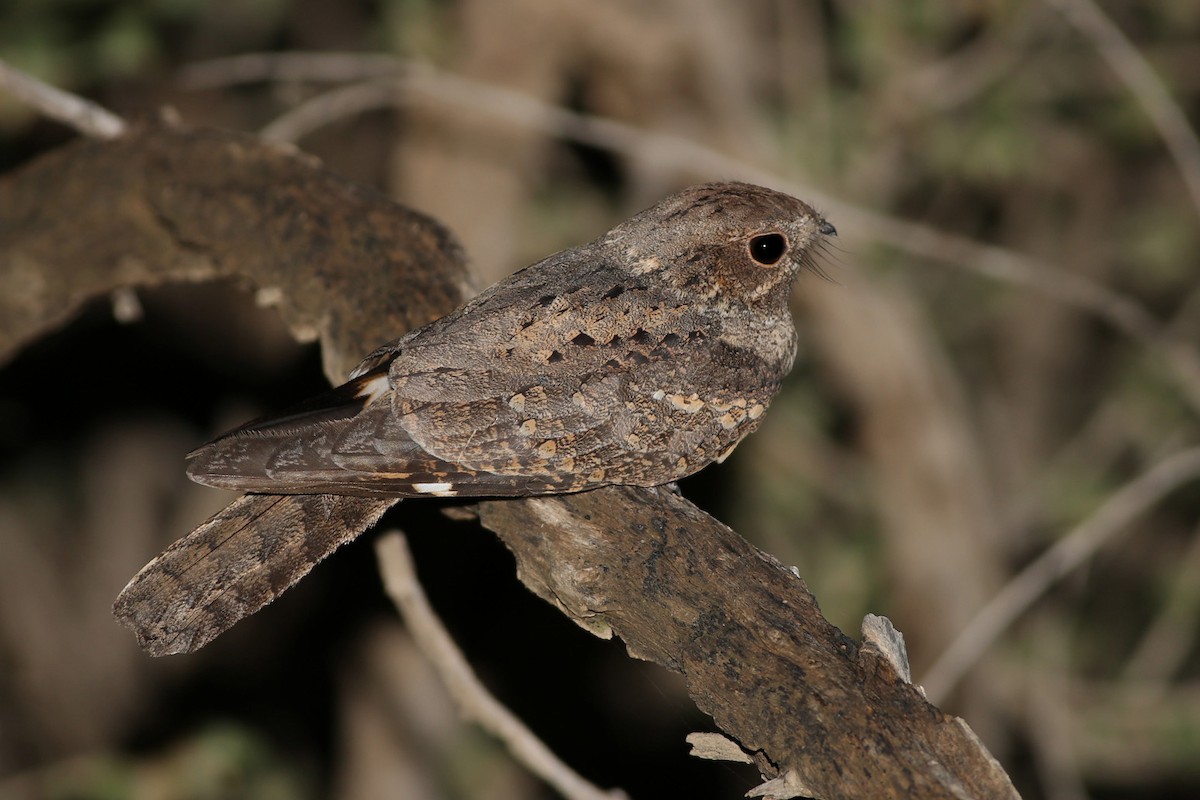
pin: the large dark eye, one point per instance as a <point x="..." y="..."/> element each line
<point x="768" y="248"/>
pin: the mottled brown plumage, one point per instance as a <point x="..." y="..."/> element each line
<point x="638" y="358"/>
<point x="635" y="359"/>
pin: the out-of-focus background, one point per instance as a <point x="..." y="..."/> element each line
<point x="988" y="437"/>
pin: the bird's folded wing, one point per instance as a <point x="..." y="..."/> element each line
<point x="445" y="432"/>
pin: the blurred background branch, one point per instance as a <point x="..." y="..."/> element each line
<point x="474" y="98"/>
<point x="1144" y="86"/>
<point x="70" y="109"/>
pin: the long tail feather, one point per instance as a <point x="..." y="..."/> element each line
<point x="235" y="563"/>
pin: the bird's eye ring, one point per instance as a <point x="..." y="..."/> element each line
<point x="768" y="248"/>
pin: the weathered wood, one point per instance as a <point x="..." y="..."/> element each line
<point x="165" y="203"/>
<point x="685" y="591"/>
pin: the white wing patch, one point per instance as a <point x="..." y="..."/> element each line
<point x="436" y="489"/>
<point x="374" y="389"/>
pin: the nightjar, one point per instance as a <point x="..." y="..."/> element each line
<point x="637" y="358"/>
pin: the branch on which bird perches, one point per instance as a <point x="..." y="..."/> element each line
<point x="819" y="713"/>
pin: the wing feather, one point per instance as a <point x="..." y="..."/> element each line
<point x="519" y="401"/>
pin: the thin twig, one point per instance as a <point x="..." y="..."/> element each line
<point x="1134" y="71"/>
<point x="327" y="107"/>
<point x="400" y="581"/>
<point x="1060" y="560"/>
<point x="82" y="115"/>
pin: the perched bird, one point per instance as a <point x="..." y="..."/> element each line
<point x="637" y="358"/>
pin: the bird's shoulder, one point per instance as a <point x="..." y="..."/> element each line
<point x="572" y="314"/>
